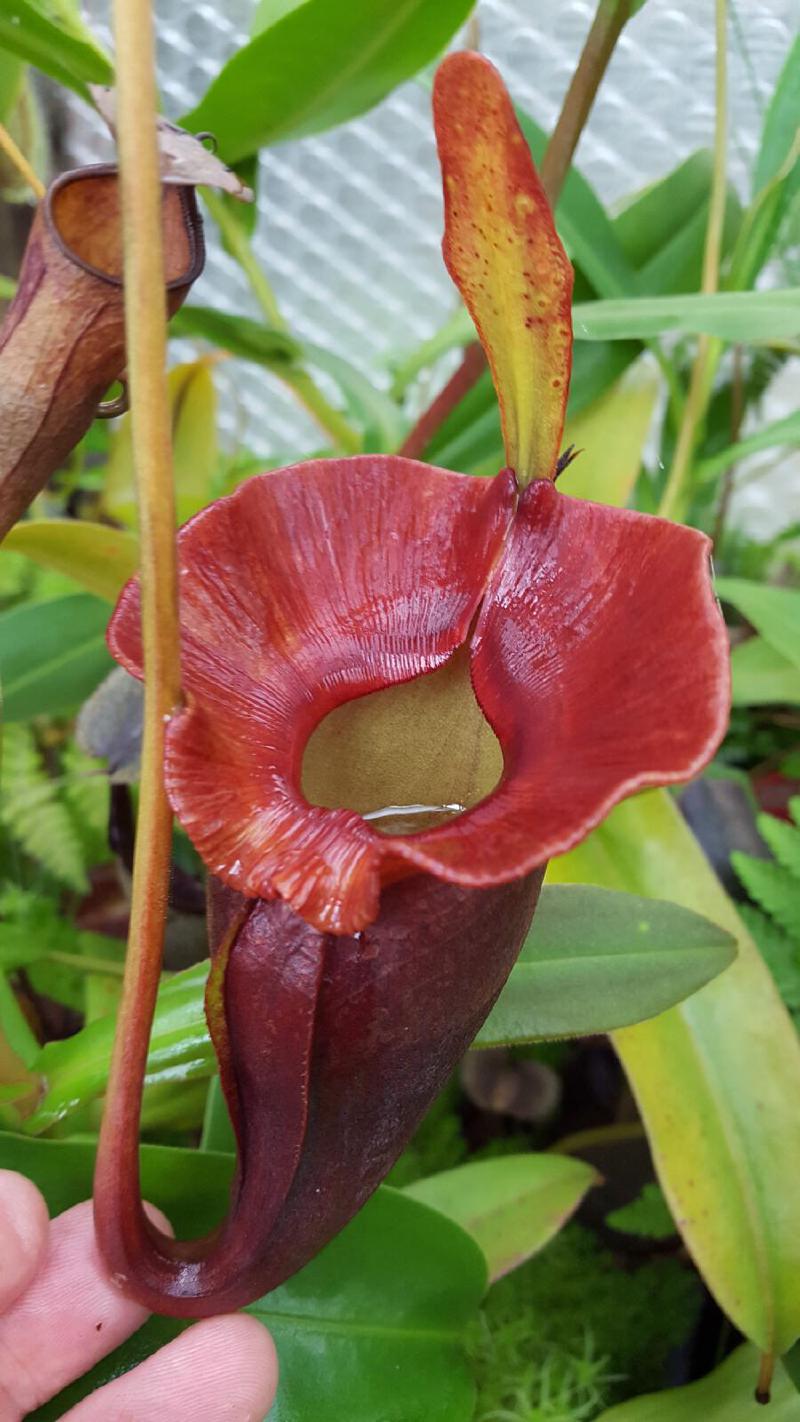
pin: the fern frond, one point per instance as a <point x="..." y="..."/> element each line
<point x="773" y="887"/>
<point x="780" y="952"/>
<point x="34" y="814"/>
<point x="784" y="841"/>
<point x="85" y="792"/>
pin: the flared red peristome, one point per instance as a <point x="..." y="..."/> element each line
<point x="594" y="644"/>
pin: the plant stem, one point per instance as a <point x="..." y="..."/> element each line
<point x="238" y="244"/>
<point x="598" y="1136"/>
<point x="606" y="28"/>
<point x="298" y="379"/>
<point x="145" y="316"/>
<point x="673" y="502"/>
<point x="765" y="1372"/>
<point x="459" y="385"/>
<point x="472" y="37"/>
<point x="737" y="415"/>
<point x="82" y="964"/>
<point x="23" y="167"/>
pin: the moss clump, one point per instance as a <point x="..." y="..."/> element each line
<point x="571" y="1332"/>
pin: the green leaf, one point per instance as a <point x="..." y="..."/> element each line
<point x="761" y="675"/>
<point x="595" y="959"/>
<point x="762" y="226"/>
<point x="195" y="453"/>
<point x="278" y="351"/>
<point x="736" y="316"/>
<point x="52" y="655"/>
<point x="726" y="1395"/>
<point x="269" y="12"/>
<point x="665" y="207"/>
<point x="7" y="288"/>
<point x="782" y="121"/>
<point x="740" y="317"/>
<point x="99" y="557"/>
<point x="774" y="612"/>
<point x="12" y="79"/>
<point x="218" y="1133"/>
<point x="14" y="1025"/>
<point x="677" y="265"/>
<point x="717" y="1080"/>
<point x="240" y="335"/>
<point x="375" y="413"/>
<point x="610" y="435"/>
<point x="791" y="1364"/>
<point x="76" y="1068"/>
<point x="778" y="432"/>
<point x="52" y="35"/>
<point x="371" y="1328"/>
<point x="511" y="1206"/>
<point x="191" y="1188"/>
<point x="319" y="65"/>
<point x="647" y="1216"/>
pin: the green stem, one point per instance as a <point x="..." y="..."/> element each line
<point x="327" y="417"/>
<point x="83" y="964"/>
<point x="20" y="162"/>
<point x="737" y="415"/>
<point x="298" y="379"/>
<point x="614" y="1134"/>
<point x="238" y="244"/>
<point x="676" y="398"/>
<point x="709" y="349"/>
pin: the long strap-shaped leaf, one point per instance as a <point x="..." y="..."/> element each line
<point x="717" y="1080"/>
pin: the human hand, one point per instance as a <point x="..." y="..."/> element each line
<point x="60" y="1313"/>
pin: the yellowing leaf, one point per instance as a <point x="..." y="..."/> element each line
<point x="99" y="558"/>
<point x="717" y="1080"/>
<point x="726" y="1395"/>
<point x="503" y="253"/>
<point x="193" y="406"/>
<point x="512" y="1206"/>
<point x="610" y="434"/>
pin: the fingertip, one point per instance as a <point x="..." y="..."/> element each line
<point x="250" y="1357"/>
<point x="220" y="1367"/>
<point x="23" y="1234"/>
<point x="259" y="1357"/>
<point x="158" y="1218"/>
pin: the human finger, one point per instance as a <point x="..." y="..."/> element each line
<point x="69" y="1317"/>
<point x="23" y="1234"/>
<point x="219" y="1368"/>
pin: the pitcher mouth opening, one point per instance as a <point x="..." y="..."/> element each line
<point x="96" y="247"/>
<point x="406" y="758"/>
